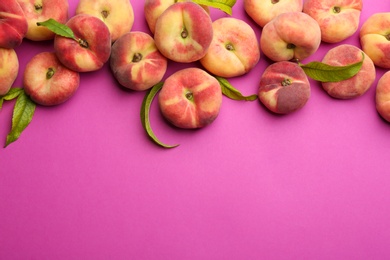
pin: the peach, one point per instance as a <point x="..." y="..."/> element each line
<point x="47" y="81"/>
<point x="382" y="96"/>
<point x="42" y="10"/>
<point x="234" y="50"/>
<point x="118" y="15"/>
<point x="190" y="98"/>
<point x="136" y="62"/>
<point x="338" y="19"/>
<point x="184" y="32"/>
<point x="154" y="8"/>
<point x="290" y="36"/>
<point x="356" y="86"/>
<point x="375" y="39"/>
<point x="262" y="12"/>
<point x="284" y="87"/>
<point x="13" y="25"/>
<point x="92" y="48"/>
<point x="9" y="69"/>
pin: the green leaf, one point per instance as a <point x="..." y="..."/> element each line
<point x="145" y="109"/>
<point x="23" y="113"/>
<point x="58" y="28"/>
<point x="231" y="92"/>
<point x="12" y="93"/>
<point x="326" y="73"/>
<point x="223" y="5"/>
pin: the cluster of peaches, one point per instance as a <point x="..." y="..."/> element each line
<point x="183" y="32"/>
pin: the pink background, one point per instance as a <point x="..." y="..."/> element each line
<point x="85" y="182"/>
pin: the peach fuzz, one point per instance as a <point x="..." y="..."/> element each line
<point x="13" y="25"/>
<point x="290" y="36"/>
<point x="9" y="69"/>
<point x="284" y="87"/>
<point x="42" y="10"/>
<point x="375" y="39"/>
<point x="337" y="19"/>
<point x="154" y="8"/>
<point x="356" y="86"/>
<point x="92" y="49"/>
<point x="234" y="50"/>
<point x="190" y="98"/>
<point x="184" y="32"/>
<point x="262" y="12"/>
<point x="382" y="96"/>
<point x="136" y="62"/>
<point x="118" y="15"/>
<point x="47" y="81"/>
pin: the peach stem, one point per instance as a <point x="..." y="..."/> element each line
<point x="189" y="96"/>
<point x="137" y="57"/>
<point x="336" y="9"/>
<point x="50" y="73"/>
<point x="274" y="1"/>
<point x="286" y="82"/>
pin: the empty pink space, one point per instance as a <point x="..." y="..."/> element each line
<point x="85" y="182"/>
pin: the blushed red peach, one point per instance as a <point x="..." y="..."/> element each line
<point x="42" y="10"/>
<point x="382" y="96"/>
<point x="154" y="8"/>
<point x="190" y="98"/>
<point x="375" y="39"/>
<point x="184" y="32"/>
<point x="9" y="69"/>
<point x="234" y="50"/>
<point x="136" y="62"/>
<point x="264" y="11"/>
<point x="290" y="36"/>
<point x="337" y="19"/>
<point x="92" y="49"/>
<point x="47" y="81"/>
<point x="13" y="25"/>
<point x="356" y="86"/>
<point x="284" y="87"/>
<point x="118" y="15"/>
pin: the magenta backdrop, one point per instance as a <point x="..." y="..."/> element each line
<point x="85" y="182"/>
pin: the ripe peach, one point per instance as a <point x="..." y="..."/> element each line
<point x="382" y="96"/>
<point x="47" y="81"/>
<point x="13" y="25"/>
<point x="264" y="11"/>
<point x="93" y="48"/>
<point x="337" y="19"/>
<point x="375" y="39"/>
<point x="118" y="15"/>
<point x="190" y="98"/>
<point x="284" y="87"/>
<point x="136" y="62"/>
<point x="234" y="49"/>
<point x="154" y="8"/>
<point x="9" y="69"/>
<point x="356" y="86"/>
<point x="183" y="32"/>
<point x="290" y="36"/>
<point x="41" y="10"/>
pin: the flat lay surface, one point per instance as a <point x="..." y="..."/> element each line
<point x="84" y="181"/>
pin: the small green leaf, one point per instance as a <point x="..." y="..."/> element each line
<point x="231" y="92"/>
<point x="145" y="114"/>
<point x="58" y="28"/>
<point x="326" y="73"/>
<point x="22" y="115"/>
<point x="12" y="93"/>
<point x="223" y="5"/>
